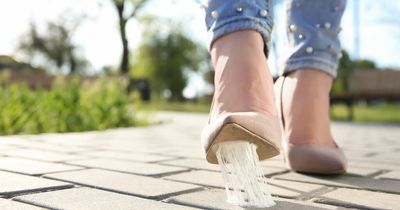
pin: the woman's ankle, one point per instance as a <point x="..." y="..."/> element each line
<point x="242" y="78"/>
<point x="306" y="107"/>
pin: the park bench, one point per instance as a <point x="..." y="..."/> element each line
<point x="369" y="85"/>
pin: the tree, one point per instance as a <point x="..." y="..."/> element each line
<point x="124" y="16"/>
<point x="54" y="47"/>
<point x="346" y="67"/>
<point x="166" y="57"/>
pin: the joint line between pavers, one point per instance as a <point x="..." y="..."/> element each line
<point x="41" y="190"/>
<point x="270" y="176"/>
<point x="198" y="184"/>
<point x="173" y="201"/>
<point x="34" y="204"/>
<point x="338" y="203"/>
<point x="315" y="193"/>
<point x="380" y="172"/>
<point x="169" y="173"/>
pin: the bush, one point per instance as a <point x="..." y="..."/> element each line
<point x="69" y="106"/>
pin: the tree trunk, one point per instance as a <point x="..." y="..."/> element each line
<point x="125" y="48"/>
<point x="124" y="66"/>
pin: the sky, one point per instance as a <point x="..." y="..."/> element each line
<point x="98" y="34"/>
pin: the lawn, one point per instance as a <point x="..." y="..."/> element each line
<point x="177" y="106"/>
<point x="383" y="113"/>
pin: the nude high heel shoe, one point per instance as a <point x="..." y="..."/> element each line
<point x="309" y="158"/>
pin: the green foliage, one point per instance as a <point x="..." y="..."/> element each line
<point x="166" y="56"/>
<point x="54" y="48"/>
<point x="346" y="67"/>
<point x="69" y="106"/>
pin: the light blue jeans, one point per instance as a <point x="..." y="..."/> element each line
<point x="312" y="28"/>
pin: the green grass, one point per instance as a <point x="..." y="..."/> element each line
<point x="384" y="113"/>
<point x="178" y="106"/>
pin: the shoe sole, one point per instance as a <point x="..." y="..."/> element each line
<point x="235" y="132"/>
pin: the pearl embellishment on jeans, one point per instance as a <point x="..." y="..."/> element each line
<point x="309" y="50"/>
<point x="301" y="36"/>
<point x="336" y="8"/>
<point x="292" y="27"/>
<point x="214" y="14"/>
<point x="239" y="9"/>
<point x="317" y="25"/>
<point x="263" y="13"/>
<point x="327" y="25"/>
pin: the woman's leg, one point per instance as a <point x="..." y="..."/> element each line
<point x="244" y="126"/>
<point x="312" y="28"/>
<point x="239" y="34"/>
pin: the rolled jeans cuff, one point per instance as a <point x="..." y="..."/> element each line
<point x="308" y="62"/>
<point x="243" y="23"/>
<point x="224" y="17"/>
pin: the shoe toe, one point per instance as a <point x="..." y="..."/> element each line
<point x="316" y="159"/>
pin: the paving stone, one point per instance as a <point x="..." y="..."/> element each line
<point x="6" y="147"/>
<point x="192" y="163"/>
<point x="32" y="167"/>
<point x="360" y="199"/>
<point x="214" y="179"/>
<point x="361" y="171"/>
<point x="345" y="181"/>
<point x="202" y="164"/>
<point x="390" y="175"/>
<point x="374" y="164"/>
<point x="358" y="153"/>
<point x="14" y="205"/>
<point x="128" y="166"/>
<point x="290" y="189"/>
<point x="12" y="183"/>
<point x="190" y="151"/>
<point x="273" y="163"/>
<point x="51" y="147"/>
<point x="85" y="198"/>
<point x="41" y="155"/>
<point x="216" y="199"/>
<point x="388" y="156"/>
<point x="72" y="139"/>
<point x="125" y="183"/>
<point x="135" y="156"/>
<point x="370" y="150"/>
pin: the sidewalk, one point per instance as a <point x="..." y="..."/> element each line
<point x="161" y="167"/>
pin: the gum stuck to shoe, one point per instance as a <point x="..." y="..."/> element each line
<point x="240" y="166"/>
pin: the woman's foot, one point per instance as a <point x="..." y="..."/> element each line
<point x="243" y="81"/>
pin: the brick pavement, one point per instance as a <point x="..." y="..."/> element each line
<point x="161" y="167"/>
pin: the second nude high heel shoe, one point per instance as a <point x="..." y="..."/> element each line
<point x="309" y="158"/>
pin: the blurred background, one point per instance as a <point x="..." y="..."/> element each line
<point x="77" y="65"/>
